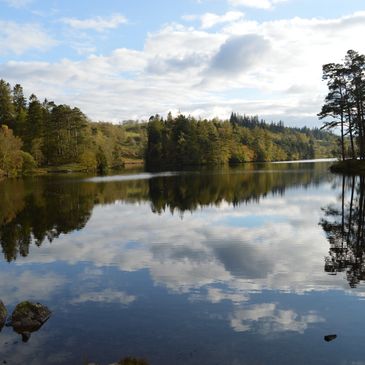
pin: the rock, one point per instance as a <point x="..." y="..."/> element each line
<point x="3" y="314"/>
<point x="29" y="317"/>
<point x="329" y="338"/>
<point x="132" y="361"/>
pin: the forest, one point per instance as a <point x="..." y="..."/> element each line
<point x="185" y="141"/>
<point x="35" y="134"/>
<point x="41" y="136"/>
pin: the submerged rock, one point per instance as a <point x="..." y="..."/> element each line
<point x="329" y="338"/>
<point x="3" y="314"/>
<point x="127" y="361"/>
<point x="132" y="361"/>
<point x="29" y="317"/>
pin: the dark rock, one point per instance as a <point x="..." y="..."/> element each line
<point x="29" y="317"/>
<point x="25" y="336"/>
<point x="132" y="361"/>
<point x="329" y="338"/>
<point x="3" y="314"/>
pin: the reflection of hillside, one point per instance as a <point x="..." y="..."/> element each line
<point x="43" y="208"/>
<point x="188" y="192"/>
<point x="344" y="227"/>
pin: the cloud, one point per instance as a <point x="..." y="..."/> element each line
<point x="260" y="4"/>
<point x="240" y="53"/>
<point x="16" y="38"/>
<point x="209" y="20"/>
<point x="163" y="65"/>
<point x="269" y="68"/>
<point x="99" y="24"/>
<point x="17" y="3"/>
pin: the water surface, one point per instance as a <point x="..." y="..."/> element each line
<point x="251" y="265"/>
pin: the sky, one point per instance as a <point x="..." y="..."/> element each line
<point x="130" y="59"/>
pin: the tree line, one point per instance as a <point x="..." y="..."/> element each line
<point x="183" y="141"/>
<point x="42" y="134"/>
<point x="344" y="104"/>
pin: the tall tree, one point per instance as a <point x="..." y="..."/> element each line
<point x="336" y="101"/>
<point x="345" y="102"/>
<point x="355" y="65"/>
<point x="20" y="108"/>
<point x="7" y="112"/>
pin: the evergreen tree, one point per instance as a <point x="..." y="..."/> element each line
<point x="7" y="112"/>
<point x="20" y="108"/>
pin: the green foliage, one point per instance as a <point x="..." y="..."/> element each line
<point x="88" y="160"/>
<point x="59" y="135"/>
<point x="184" y="141"/>
<point x="345" y="102"/>
<point x="29" y="165"/>
<point x="11" y="160"/>
<point x="101" y="162"/>
<point x="7" y="111"/>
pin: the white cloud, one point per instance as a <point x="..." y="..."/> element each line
<point x="16" y="38"/>
<point x="260" y="4"/>
<point x="209" y="20"/>
<point x="98" y="23"/>
<point x="266" y="68"/>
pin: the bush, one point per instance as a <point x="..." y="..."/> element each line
<point x="29" y="164"/>
<point x="88" y="160"/>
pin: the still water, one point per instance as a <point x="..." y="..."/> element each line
<point x="251" y="265"/>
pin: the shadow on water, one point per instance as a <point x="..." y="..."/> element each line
<point x="344" y="225"/>
<point x="39" y="209"/>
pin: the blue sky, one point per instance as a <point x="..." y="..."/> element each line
<point x="125" y="59"/>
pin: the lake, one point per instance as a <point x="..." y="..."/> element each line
<point x="232" y="266"/>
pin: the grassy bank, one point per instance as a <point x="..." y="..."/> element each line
<point x="350" y="167"/>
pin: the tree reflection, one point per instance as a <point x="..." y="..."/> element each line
<point x="344" y="228"/>
<point x="41" y="209"/>
<point x="189" y="192"/>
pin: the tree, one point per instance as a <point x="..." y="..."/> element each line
<point x="345" y="102"/>
<point x="65" y="135"/>
<point x="20" y="108"/>
<point x="355" y="65"/>
<point x="11" y="159"/>
<point x="336" y="101"/>
<point x="7" y="112"/>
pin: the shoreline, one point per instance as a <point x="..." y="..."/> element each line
<point x="349" y="167"/>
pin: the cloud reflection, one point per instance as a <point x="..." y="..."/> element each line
<point x="105" y="296"/>
<point x="204" y="248"/>
<point x="267" y="318"/>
